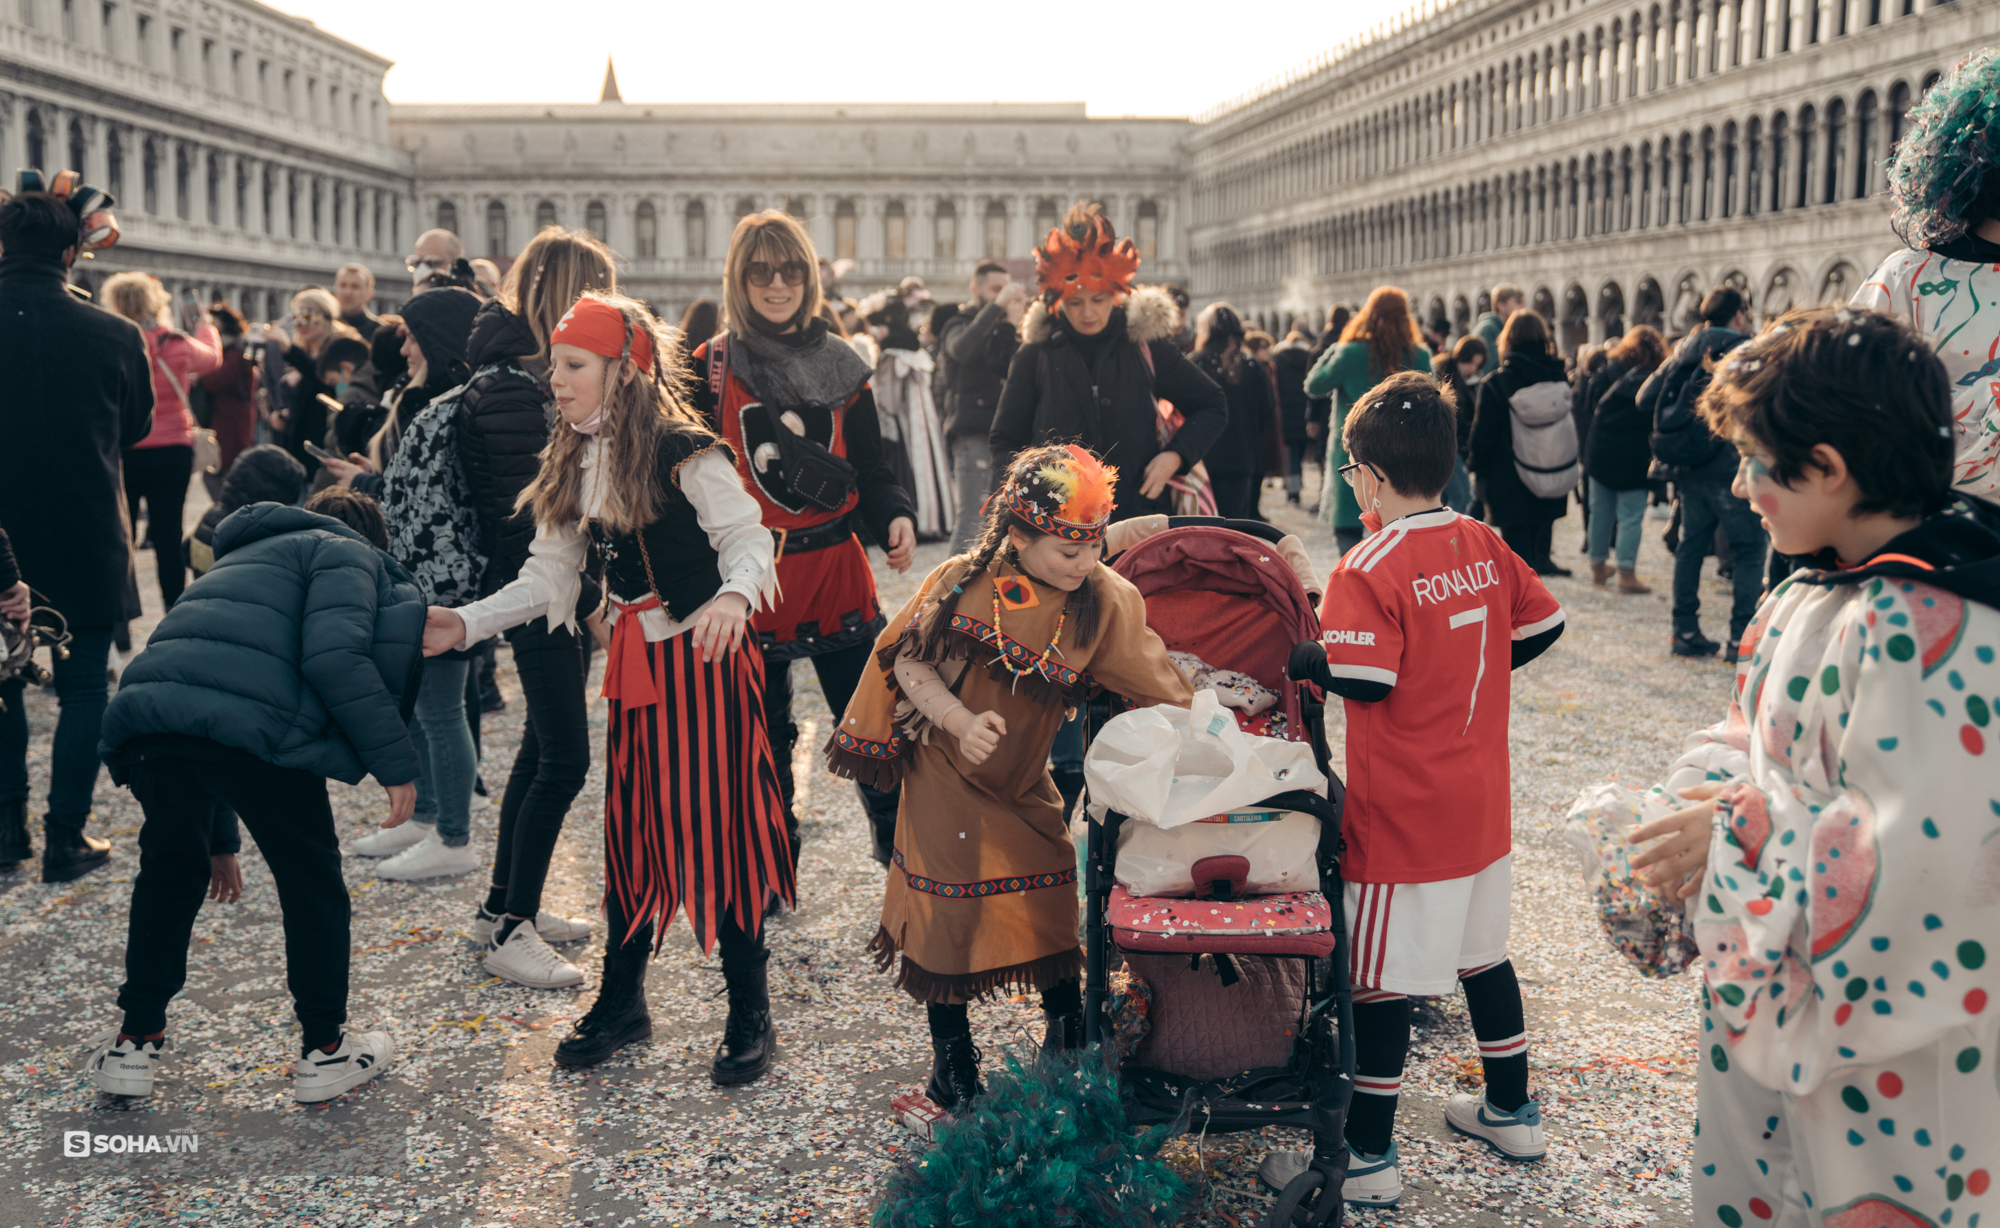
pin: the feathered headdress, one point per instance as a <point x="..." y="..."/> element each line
<point x="1952" y="144"/>
<point x="1064" y="492"/>
<point x="1083" y="258"/>
<point x="96" y="228"/>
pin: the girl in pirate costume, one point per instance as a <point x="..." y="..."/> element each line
<point x="965" y="694"/>
<point x="692" y="811"/>
<point x="793" y="402"/>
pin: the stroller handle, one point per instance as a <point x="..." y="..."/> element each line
<point x="1255" y="528"/>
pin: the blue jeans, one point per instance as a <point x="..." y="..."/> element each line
<point x="444" y="749"/>
<point x="1458" y="491"/>
<point x="1623" y="510"/>
<point x="1704" y="505"/>
<point x="81" y="695"/>
<point x="972" y="474"/>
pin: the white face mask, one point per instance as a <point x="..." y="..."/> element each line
<point x="590" y="425"/>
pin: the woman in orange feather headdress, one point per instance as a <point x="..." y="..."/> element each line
<point x="971" y="682"/>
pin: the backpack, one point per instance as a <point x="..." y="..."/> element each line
<point x="433" y="529"/>
<point x="1680" y="438"/>
<point x="1545" y="448"/>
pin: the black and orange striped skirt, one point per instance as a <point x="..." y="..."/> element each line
<point x="692" y="812"/>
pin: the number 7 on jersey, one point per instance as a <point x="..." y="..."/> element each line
<point x="1465" y="618"/>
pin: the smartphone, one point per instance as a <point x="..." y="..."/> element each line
<point x="313" y="449"/>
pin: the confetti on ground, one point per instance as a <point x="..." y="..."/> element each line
<point x="497" y="1135"/>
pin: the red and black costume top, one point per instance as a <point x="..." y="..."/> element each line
<point x="818" y="387"/>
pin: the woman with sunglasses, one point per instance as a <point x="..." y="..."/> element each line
<point x="793" y="402"/>
<point x="315" y="323"/>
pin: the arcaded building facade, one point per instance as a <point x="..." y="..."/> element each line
<point x="1616" y="159"/>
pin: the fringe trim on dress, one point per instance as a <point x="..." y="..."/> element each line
<point x="927" y="986"/>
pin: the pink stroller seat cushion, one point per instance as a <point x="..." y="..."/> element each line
<point x="1295" y="923"/>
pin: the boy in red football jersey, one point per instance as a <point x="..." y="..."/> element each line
<point x="1423" y="623"/>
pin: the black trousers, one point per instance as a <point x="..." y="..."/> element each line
<point x="549" y="770"/>
<point x="287" y="812"/>
<point x="1532" y="540"/>
<point x="1236" y="492"/>
<point x="160" y="477"/>
<point x="839" y="673"/>
<point x="739" y="949"/>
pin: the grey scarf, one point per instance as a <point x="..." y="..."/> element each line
<point x="787" y="372"/>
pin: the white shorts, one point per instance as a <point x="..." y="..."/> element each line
<point x="1417" y="937"/>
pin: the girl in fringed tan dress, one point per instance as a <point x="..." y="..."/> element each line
<point x="693" y="815"/>
<point x="969" y="685"/>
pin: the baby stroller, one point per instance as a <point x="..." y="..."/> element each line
<point x="1214" y="588"/>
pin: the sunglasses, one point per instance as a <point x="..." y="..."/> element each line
<point x="760" y="274"/>
<point x="308" y="317"/>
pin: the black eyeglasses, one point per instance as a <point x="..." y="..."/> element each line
<point x="1347" y="470"/>
<point x="759" y="274"/>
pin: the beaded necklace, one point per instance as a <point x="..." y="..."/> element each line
<point x="1006" y="662"/>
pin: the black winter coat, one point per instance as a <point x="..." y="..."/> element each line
<point x="1669" y="395"/>
<point x="1291" y="363"/>
<point x="1052" y="396"/>
<point x="1614" y="429"/>
<point x="504" y="416"/>
<point x="79" y="392"/>
<point x="302" y="646"/>
<point x="1236" y="450"/>
<point x="1508" y="499"/>
<point x="977" y="344"/>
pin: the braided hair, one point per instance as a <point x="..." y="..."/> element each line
<point x="1083" y="610"/>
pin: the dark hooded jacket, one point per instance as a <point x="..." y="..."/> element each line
<point x="301" y="647"/>
<point x="504" y="418"/>
<point x="79" y="392"/>
<point x="263" y="474"/>
<point x="1669" y="395"/>
<point x="1613" y="427"/>
<point x="1508" y="499"/>
<point x="1109" y="401"/>
<point x="976" y="344"/>
<point x="1957" y="549"/>
<point x="441" y="321"/>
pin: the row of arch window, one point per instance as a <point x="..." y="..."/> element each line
<point x="846" y="226"/>
<point x="1796" y="160"/>
<point x="193" y="187"/>
<point x="1638" y="54"/>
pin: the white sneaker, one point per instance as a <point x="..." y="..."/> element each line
<point x="126" y="1067"/>
<point x="360" y="1057"/>
<point x="391" y="840"/>
<point x="551" y="927"/>
<point x="527" y="960"/>
<point x="429" y="858"/>
<point x="1518" y="1135"/>
<point x="479" y="802"/>
<point x="1370" y="1182"/>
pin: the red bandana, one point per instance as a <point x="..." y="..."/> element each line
<point x="600" y="328"/>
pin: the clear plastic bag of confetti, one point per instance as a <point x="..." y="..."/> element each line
<point x="1651" y="931"/>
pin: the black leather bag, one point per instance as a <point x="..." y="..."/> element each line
<point x="814" y="473"/>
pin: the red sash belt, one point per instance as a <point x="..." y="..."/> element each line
<point x="628" y="676"/>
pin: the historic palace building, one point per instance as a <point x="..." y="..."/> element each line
<point x="249" y="151"/>
<point x="1615" y="158"/>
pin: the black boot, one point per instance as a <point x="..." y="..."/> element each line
<point x="15" y="846"/>
<point x="69" y="854"/>
<point x="1069" y="783"/>
<point x="619" y="1016"/>
<point x="954" y="1071"/>
<point x="1062" y="1012"/>
<point x="881" y="808"/>
<point x="749" y="1037"/>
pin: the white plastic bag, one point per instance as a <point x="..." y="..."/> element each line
<point x="1168" y="766"/>
<point x="1282" y="846"/>
<point x="1652" y="931"/>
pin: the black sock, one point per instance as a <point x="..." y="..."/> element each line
<point x="1063" y="998"/>
<point x="325" y="1042"/>
<point x="496" y="900"/>
<point x="1494" y="998"/>
<point x="1381" y="1044"/>
<point x="505" y="930"/>
<point x="948" y="1019"/>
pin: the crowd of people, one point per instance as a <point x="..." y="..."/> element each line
<point x="528" y="454"/>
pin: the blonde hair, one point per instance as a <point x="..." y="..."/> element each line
<point x="773" y="237"/>
<point x="140" y="298"/>
<point x="325" y="304"/>
<point x="641" y="410"/>
<point x="557" y="266"/>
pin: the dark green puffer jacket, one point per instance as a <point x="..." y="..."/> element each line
<point x="300" y="646"/>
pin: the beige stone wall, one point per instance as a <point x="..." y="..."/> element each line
<point x="1616" y="159"/>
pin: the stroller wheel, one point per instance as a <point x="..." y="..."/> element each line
<point x="1300" y="1203"/>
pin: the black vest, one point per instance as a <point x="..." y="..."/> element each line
<point x="686" y="571"/>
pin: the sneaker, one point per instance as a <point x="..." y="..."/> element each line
<point x="1517" y="1135"/>
<point x="391" y="840"/>
<point x="552" y="928"/>
<point x="527" y="960"/>
<point x="1694" y="644"/>
<point x="359" y="1057"/>
<point x="429" y="858"/>
<point x="1373" y="1182"/>
<point x="126" y="1068"/>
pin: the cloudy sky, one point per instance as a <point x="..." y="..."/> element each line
<point x="1160" y="57"/>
